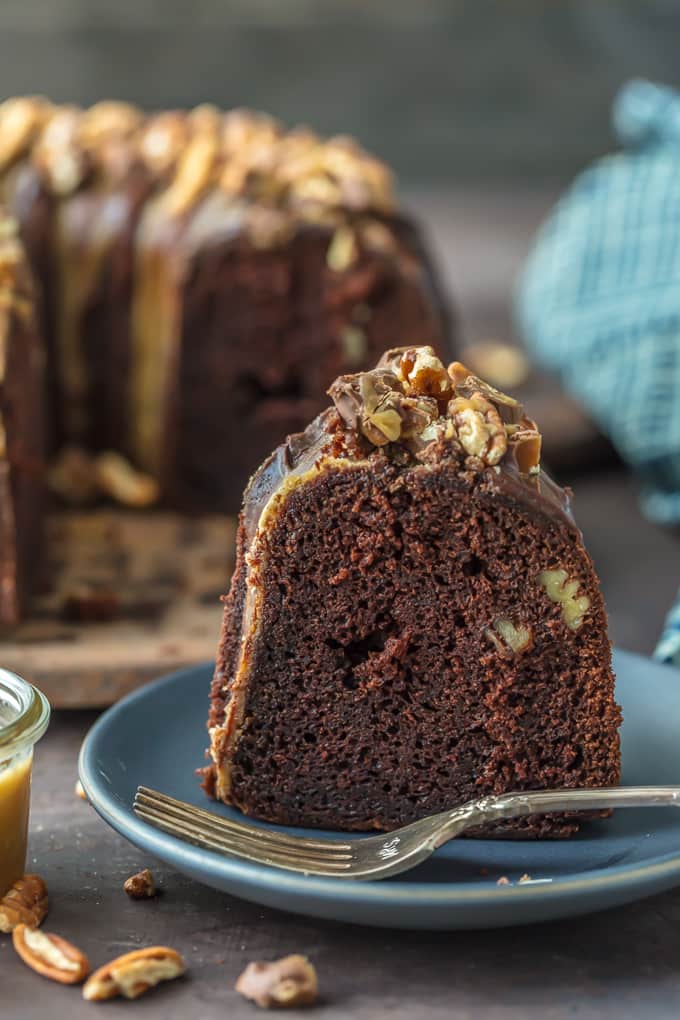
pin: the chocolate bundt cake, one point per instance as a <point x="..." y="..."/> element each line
<point x="22" y="436"/>
<point x="413" y="620"/>
<point x="205" y="275"/>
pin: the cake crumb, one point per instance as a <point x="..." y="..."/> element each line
<point x="525" y="878"/>
<point x="503" y="880"/>
<point x="79" y="790"/>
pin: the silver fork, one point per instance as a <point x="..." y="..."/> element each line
<point x="374" y="857"/>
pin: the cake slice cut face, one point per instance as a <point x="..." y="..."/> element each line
<point x="413" y="620"/>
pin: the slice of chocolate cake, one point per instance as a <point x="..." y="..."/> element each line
<point x="22" y="401"/>
<point x="413" y="620"/>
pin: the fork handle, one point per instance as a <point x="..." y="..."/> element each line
<point x="516" y="805"/>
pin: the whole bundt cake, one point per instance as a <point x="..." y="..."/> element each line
<point x="413" y="620"/>
<point x="204" y="275"/>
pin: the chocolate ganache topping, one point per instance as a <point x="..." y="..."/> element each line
<point x="411" y="410"/>
<point x="411" y="399"/>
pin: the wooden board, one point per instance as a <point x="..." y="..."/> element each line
<point x="133" y="596"/>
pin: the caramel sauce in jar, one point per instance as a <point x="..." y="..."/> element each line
<point x="24" y="715"/>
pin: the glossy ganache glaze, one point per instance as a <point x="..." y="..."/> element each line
<point x="340" y="432"/>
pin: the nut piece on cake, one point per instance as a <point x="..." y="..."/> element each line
<point x="413" y="620"/>
<point x="283" y="984"/>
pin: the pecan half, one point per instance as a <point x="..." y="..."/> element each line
<point x="134" y="974"/>
<point x="50" y="955"/>
<point x="284" y="983"/>
<point x="140" y="886"/>
<point x="479" y="427"/>
<point x="25" y="903"/>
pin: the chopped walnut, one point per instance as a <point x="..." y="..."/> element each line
<point x="564" y="591"/>
<point x="516" y="637"/>
<point x="479" y="427"/>
<point x="410" y="397"/>
<point x="418" y="414"/>
<point x="140" y="886"/>
<point x="342" y="251"/>
<point x="466" y="384"/>
<point x="379" y="420"/>
<point x="298" y="169"/>
<point x="389" y="415"/>
<point x="425" y="375"/>
<point x="284" y="983"/>
<point x="375" y="404"/>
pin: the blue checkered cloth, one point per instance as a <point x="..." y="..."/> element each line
<point x="599" y="299"/>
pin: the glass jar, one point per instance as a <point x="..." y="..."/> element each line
<point x="24" y="715"/>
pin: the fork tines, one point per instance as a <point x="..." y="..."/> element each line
<point x="226" y="836"/>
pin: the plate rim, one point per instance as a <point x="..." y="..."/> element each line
<point x="480" y="892"/>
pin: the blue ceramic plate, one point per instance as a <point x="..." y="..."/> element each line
<point x="156" y="737"/>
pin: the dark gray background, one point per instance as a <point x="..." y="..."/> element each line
<point x="449" y="92"/>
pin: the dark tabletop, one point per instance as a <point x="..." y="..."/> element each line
<point x="618" y="964"/>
